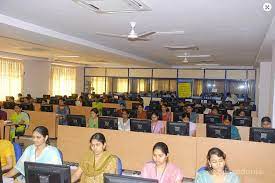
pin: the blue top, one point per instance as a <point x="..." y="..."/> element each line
<point x="205" y="177"/>
<point x="49" y="155"/>
<point x="121" y="102"/>
<point x="235" y="133"/>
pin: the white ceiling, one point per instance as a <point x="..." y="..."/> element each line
<point x="232" y="31"/>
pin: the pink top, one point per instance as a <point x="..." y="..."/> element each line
<point x="156" y="128"/>
<point x="171" y="173"/>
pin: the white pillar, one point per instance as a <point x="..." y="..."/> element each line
<point x="273" y="84"/>
<point x="264" y="102"/>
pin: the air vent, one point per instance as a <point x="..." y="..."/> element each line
<point x="113" y="6"/>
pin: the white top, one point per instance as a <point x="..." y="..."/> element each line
<point x="123" y="126"/>
<point x="192" y="128"/>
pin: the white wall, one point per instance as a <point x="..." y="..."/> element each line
<point x="36" y="77"/>
<point x="264" y="90"/>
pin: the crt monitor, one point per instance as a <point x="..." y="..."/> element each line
<point x="108" y="123"/>
<point x="262" y="135"/>
<point x="108" y="111"/>
<point x="28" y="107"/>
<point x="8" y="105"/>
<point x="178" y="128"/>
<point x="54" y="100"/>
<point x="114" y="178"/>
<point x="242" y="121"/>
<point x="218" y="131"/>
<point x="140" y="125"/>
<point x="46" y="173"/>
<point x="212" y="119"/>
<point x="76" y="120"/>
<point x="46" y="108"/>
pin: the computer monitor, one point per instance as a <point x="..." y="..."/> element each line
<point x="46" y="108"/>
<point x="114" y="178"/>
<point x="242" y="121"/>
<point x="46" y="96"/>
<point x="140" y="125"/>
<point x="69" y="102"/>
<point x="212" y="119"/>
<point x="218" y="131"/>
<point x="8" y="105"/>
<point x="108" y="111"/>
<point x="76" y="120"/>
<point x="262" y="135"/>
<point x="108" y="123"/>
<point x="39" y="100"/>
<point x="46" y="173"/>
<point x="178" y="128"/>
<point x="28" y="107"/>
<point x="54" y="100"/>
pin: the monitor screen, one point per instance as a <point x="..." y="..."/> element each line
<point x="108" y="111"/>
<point x="39" y="100"/>
<point x="46" y="108"/>
<point x="76" y="120"/>
<point x="262" y="135"/>
<point x="139" y="125"/>
<point x="8" y="105"/>
<point x="218" y="131"/>
<point x="113" y="178"/>
<point x="212" y="119"/>
<point x="28" y="107"/>
<point x="54" y="100"/>
<point x="70" y="102"/>
<point x="108" y="123"/>
<point x="46" y="173"/>
<point x="178" y="128"/>
<point x="242" y="121"/>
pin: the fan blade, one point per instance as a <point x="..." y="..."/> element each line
<point x="111" y="35"/>
<point x="145" y="34"/>
<point x="172" y="32"/>
<point x="141" y="39"/>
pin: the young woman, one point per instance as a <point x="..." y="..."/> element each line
<point x="192" y="126"/>
<point x="93" y="120"/>
<point x="141" y="114"/>
<point x="40" y="152"/>
<point x="160" y="168"/>
<point x="156" y="125"/>
<point x="95" y="162"/>
<point x="227" y="120"/>
<point x="165" y="113"/>
<point x="124" y="122"/>
<point x="216" y="170"/>
<point x="266" y="122"/>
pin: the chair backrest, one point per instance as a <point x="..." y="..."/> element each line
<point x="17" y="150"/>
<point x="119" y="165"/>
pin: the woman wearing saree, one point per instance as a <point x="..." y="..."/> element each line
<point x="95" y="162"/>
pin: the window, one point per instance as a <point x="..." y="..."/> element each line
<point x="63" y="80"/>
<point x="197" y="87"/>
<point x="11" y="77"/>
<point x="164" y="85"/>
<point x="238" y="88"/>
<point x="120" y="85"/>
<point x="97" y="85"/>
<point x="139" y="85"/>
<point x="214" y="86"/>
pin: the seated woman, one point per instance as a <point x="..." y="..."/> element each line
<point x="93" y="120"/>
<point x="266" y="122"/>
<point x="7" y="155"/>
<point x="20" y="119"/>
<point x="227" y="120"/>
<point x="156" y="125"/>
<point x="160" y="168"/>
<point x="96" y="162"/>
<point x="141" y="114"/>
<point x="40" y="152"/>
<point x="165" y="113"/>
<point x="119" y="111"/>
<point x="79" y="101"/>
<point x="192" y="126"/>
<point x="124" y="122"/>
<point x="216" y="169"/>
<point x="62" y="111"/>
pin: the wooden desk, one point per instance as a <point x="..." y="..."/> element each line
<point x="47" y="119"/>
<point x="133" y="148"/>
<point x="251" y="160"/>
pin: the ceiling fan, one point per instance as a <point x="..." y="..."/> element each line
<point x="133" y="36"/>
